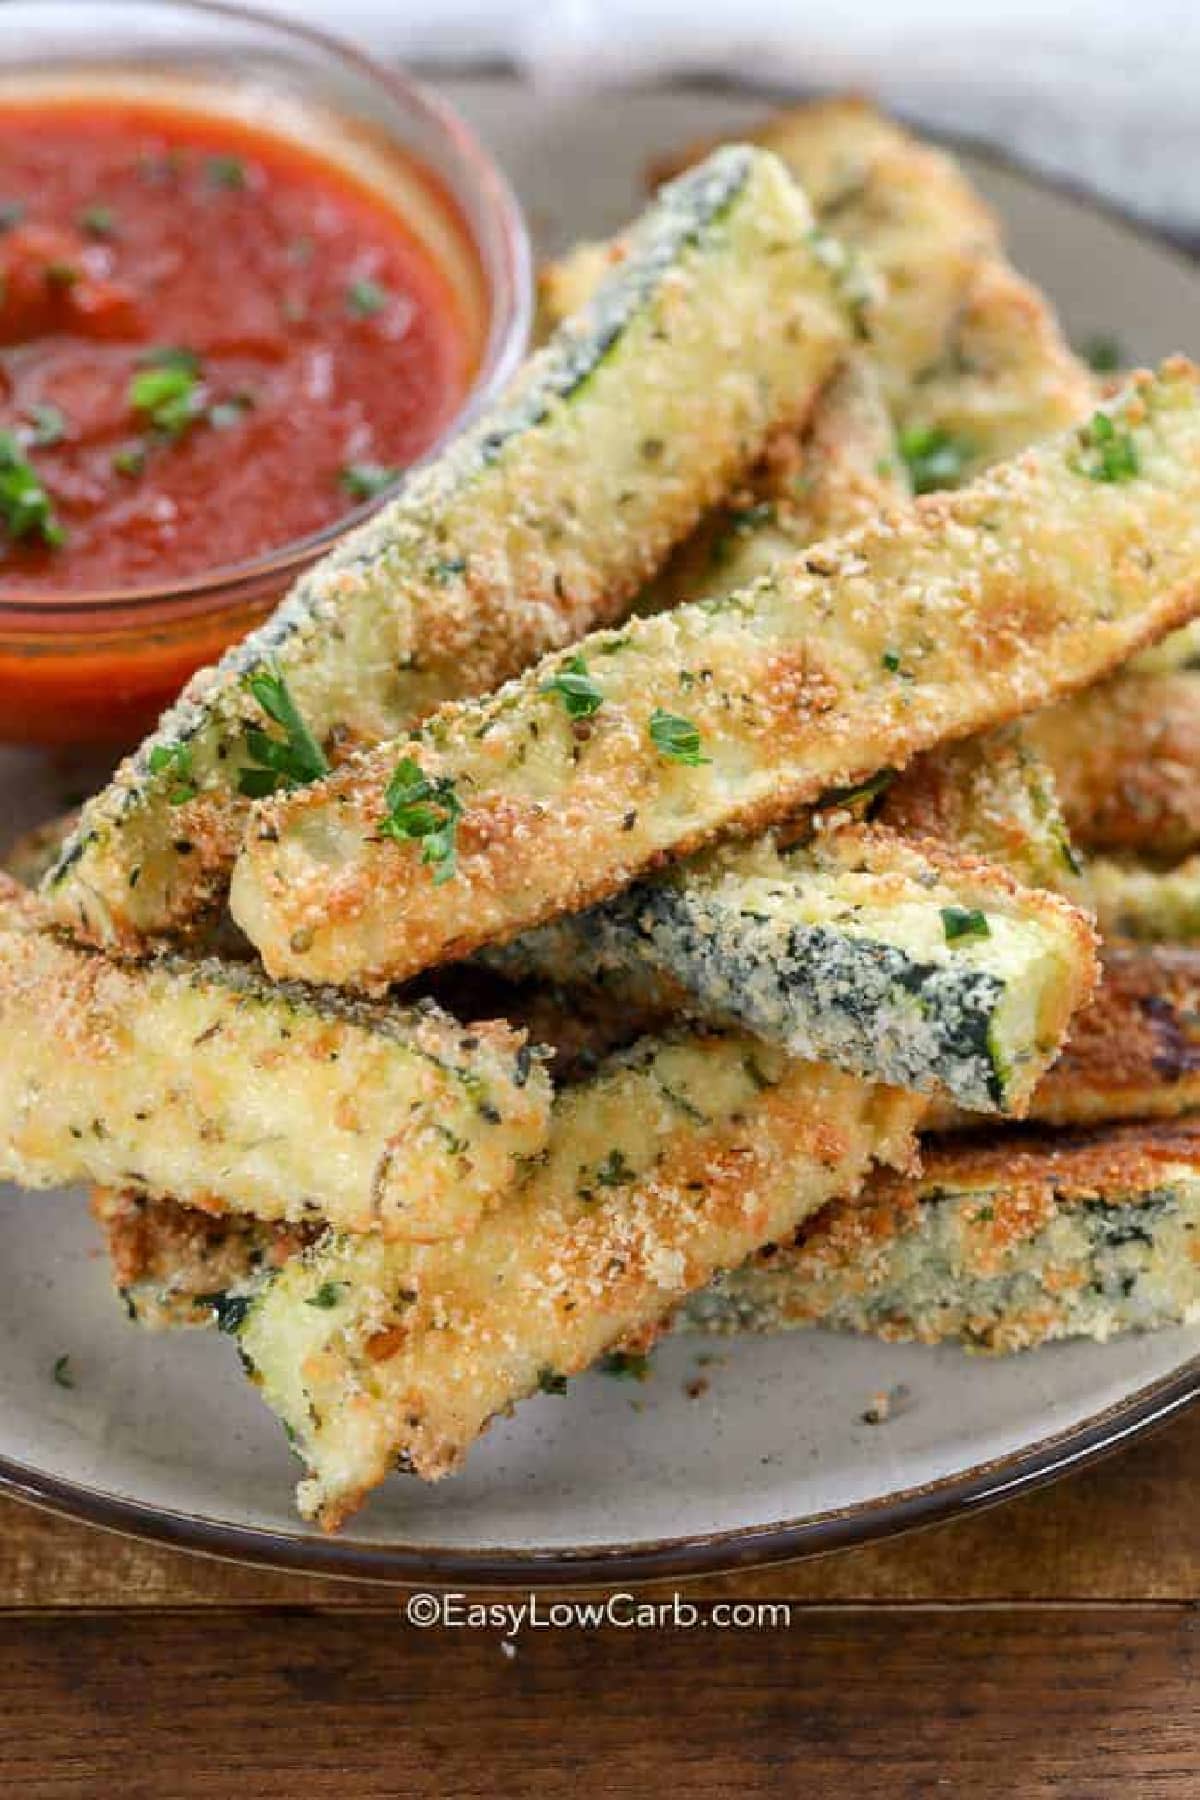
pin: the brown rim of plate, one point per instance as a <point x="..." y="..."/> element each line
<point x="972" y="1490"/>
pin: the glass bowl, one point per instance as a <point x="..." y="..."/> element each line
<point x="97" y="667"/>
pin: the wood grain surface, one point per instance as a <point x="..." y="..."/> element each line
<point x="1045" y="1650"/>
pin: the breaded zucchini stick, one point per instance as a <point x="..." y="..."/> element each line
<point x="203" y="1082"/>
<point x="898" y="963"/>
<point x="1132" y="899"/>
<point x="675" y="1161"/>
<point x="1126" y="761"/>
<point x="1134" y="1053"/>
<point x="543" y="520"/>
<point x="724" y="717"/>
<point x="1004" y="1245"/>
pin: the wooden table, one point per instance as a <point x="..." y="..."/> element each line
<point x="1047" y="1649"/>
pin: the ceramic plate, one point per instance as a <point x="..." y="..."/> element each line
<point x="161" y="1436"/>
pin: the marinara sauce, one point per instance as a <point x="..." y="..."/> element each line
<point x="214" y="343"/>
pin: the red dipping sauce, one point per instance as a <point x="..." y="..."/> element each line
<point x="213" y="343"/>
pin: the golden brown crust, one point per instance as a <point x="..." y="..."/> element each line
<point x="1126" y="758"/>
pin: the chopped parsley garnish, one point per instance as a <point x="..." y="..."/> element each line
<point x="1114" y="455"/>
<point x="934" y="457"/>
<point x="170" y="356"/>
<point x="131" y="460"/>
<point x="291" y="761"/>
<point x="550" y="1382"/>
<point x="1103" y="353"/>
<point x="425" y="812"/>
<point x="170" y="396"/>
<point x="98" y="221"/>
<point x="615" y="1171"/>
<point x="960" y="922"/>
<point x="63" y="1376"/>
<point x="578" y="692"/>
<point x="11" y="213"/>
<point x="366" y="298"/>
<point x="326" y="1296"/>
<point x="362" y="481"/>
<point x="675" y="738"/>
<point x="625" y="1365"/>
<point x="61" y="274"/>
<point x="891" y="661"/>
<point x="225" y="172"/>
<point x="26" y="509"/>
<point x="175" y="760"/>
<point x="49" y="426"/>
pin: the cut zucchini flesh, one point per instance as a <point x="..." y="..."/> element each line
<point x="860" y="950"/>
<point x="541" y="521"/>
<point x="1181" y="650"/>
<point x="1131" y="899"/>
<point x="1002" y="1246"/>
<point x="725" y="717"/>
<point x="1134" y="1050"/>
<point x="202" y="1082"/>
<point x="672" y="1163"/>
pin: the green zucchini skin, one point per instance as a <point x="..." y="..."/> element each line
<point x="838" y="951"/>
<point x="540" y="522"/>
<point x="1002" y="1246"/>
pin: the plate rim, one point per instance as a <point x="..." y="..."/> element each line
<point x="974" y="1489"/>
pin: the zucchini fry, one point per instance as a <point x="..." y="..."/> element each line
<point x="1126" y="761"/>
<point x="675" y="1161"/>
<point x="1134" y="900"/>
<point x="895" y="962"/>
<point x="1134" y="1053"/>
<point x="1018" y="1241"/>
<point x="176" y="1267"/>
<point x="203" y="1082"/>
<point x="543" y="520"/>
<point x="725" y="717"/>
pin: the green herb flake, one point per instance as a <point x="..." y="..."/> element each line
<point x="326" y="1296"/>
<point x="550" y="1382"/>
<point x="11" y="214"/>
<point x="48" y="426"/>
<point x="1103" y="353"/>
<point x="366" y="298"/>
<point x="578" y="692"/>
<point x="964" y="922"/>
<point x="365" y="480"/>
<point x="625" y="1365"/>
<point x="294" y="760"/>
<point x="1107" y="453"/>
<point x="169" y="396"/>
<point x="891" y="661"/>
<point x="63" y="1375"/>
<point x="26" y="509"/>
<point x="98" y="221"/>
<point x="676" y="738"/>
<point x="61" y="274"/>
<point x="170" y="356"/>
<point x="425" y="812"/>
<point x="227" y="172"/>
<point x="131" y="460"/>
<point x="615" y="1170"/>
<point x="934" y="457"/>
<point x="175" y="760"/>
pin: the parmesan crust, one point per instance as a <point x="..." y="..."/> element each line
<point x="1004" y="1245"/>
<point x="202" y="1082"/>
<point x="674" y="1162"/>
<point x="967" y="610"/>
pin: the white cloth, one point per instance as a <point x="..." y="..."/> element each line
<point x="1102" y="91"/>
